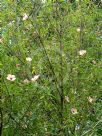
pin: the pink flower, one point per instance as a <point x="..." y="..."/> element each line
<point x="11" y="77"/>
<point x="35" y="78"/>
<point x="74" y="111"/>
<point x="25" y="16"/>
<point x="82" y="52"/>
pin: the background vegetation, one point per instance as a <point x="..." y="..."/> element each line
<point x="51" y="68"/>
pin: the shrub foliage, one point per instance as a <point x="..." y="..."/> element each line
<point x="51" y="59"/>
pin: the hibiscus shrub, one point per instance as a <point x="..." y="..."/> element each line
<point x="51" y="68"/>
